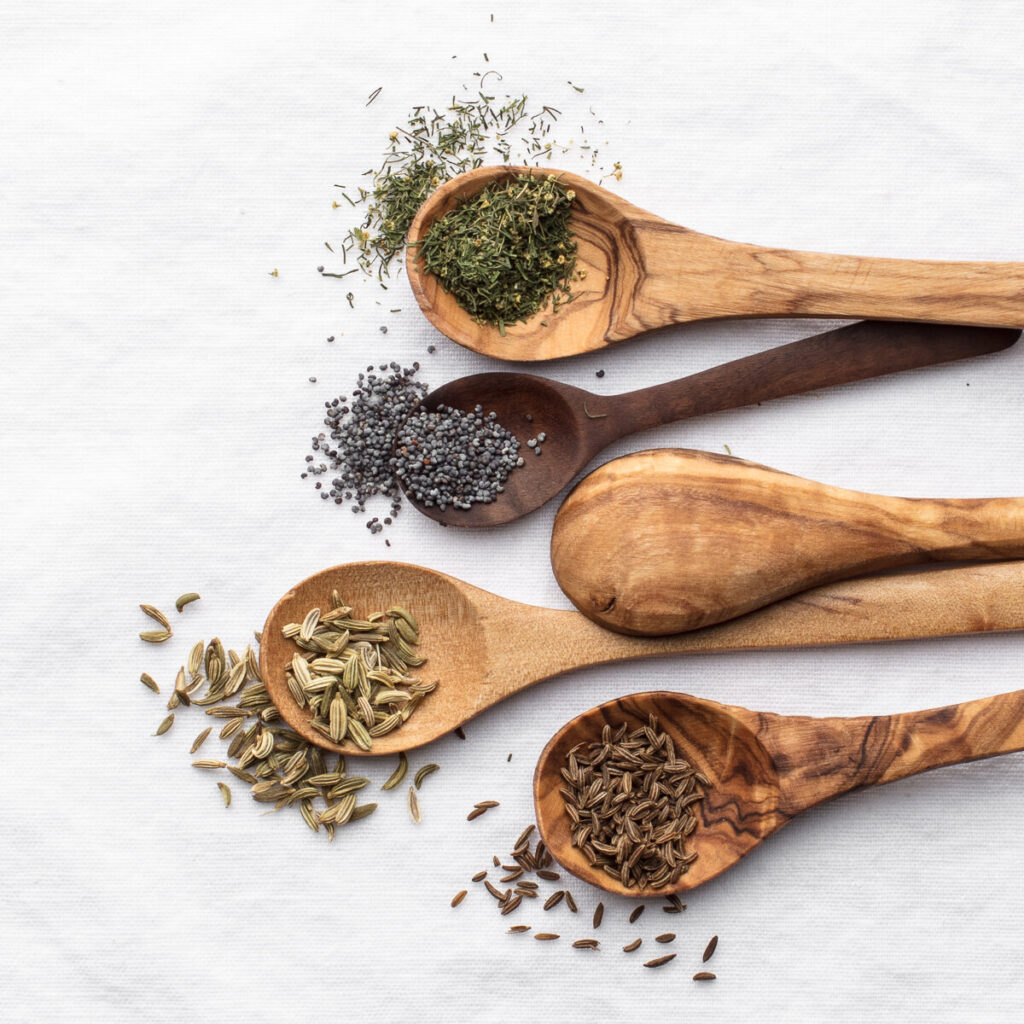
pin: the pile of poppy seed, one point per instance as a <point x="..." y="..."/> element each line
<point x="382" y="437"/>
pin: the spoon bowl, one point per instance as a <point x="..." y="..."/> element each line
<point x="643" y="272"/>
<point x="764" y="769"/>
<point x="578" y="424"/>
<point x="483" y="648"/>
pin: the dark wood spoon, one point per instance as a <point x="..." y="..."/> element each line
<point x="643" y="272"/>
<point x="579" y="424"/>
<point x="765" y="769"/>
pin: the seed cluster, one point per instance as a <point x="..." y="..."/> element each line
<point x="382" y="438"/>
<point x="449" y="457"/>
<point x="351" y="673"/>
<point x="629" y="799"/>
<point x="507" y="252"/>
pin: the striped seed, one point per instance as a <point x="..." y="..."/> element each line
<point x="710" y="951"/>
<point x="156" y="636"/>
<point x="200" y="739"/>
<point x="164" y="725"/>
<point x="525" y="835"/>
<point x="208" y="764"/>
<point x="512" y="875"/>
<point x="635" y="916"/>
<point x="704" y="976"/>
<point x="225" y="792"/>
<point x="598" y="915"/>
<point x="659" y="960"/>
<point x="475" y="813"/>
<point x="479" y="876"/>
<point x="185" y="599"/>
<point x="554" y="899"/>
<point x="362" y="811"/>
<point x="518" y="928"/>
<point x="548" y="876"/>
<point x="414" y="806"/>
<point x="634" y="945"/>
<point x="510" y="904"/>
<point x="586" y="944"/>
<point x="427" y="769"/>
<point x="666" y="937"/>
<point x="570" y="902"/>
<point x="486" y="804"/>
<point x="458" y="897"/>
<point x="545" y="936"/>
<point x="155" y="613"/>
<point x="149" y="681"/>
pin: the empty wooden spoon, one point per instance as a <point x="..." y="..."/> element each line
<point x="764" y="769"/>
<point x="483" y="648"/>
<point x="577" y="424"/>
<point x="643" y="272"/>
<point x="669" y="540"/>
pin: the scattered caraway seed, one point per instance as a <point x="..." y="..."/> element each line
<point x="523" y="836"/>
<point x="156" y="636"/>
<point x="209" y="764"/>
<point x="635" y="916"/>
<point x="427" y="769"/>
<point x="570" y="902"/>
<point x="518" y="928"/>
<point x="164" y="725"/>
<point x="554" y="899"/>
<point x="155" y="613"/>
<point x="586" y="944"/>
<point x="225" y="792"/>
<point x="485" y="804"/>
<point x="458" y="897"/>
<point x="496" y="861"/>
<point x="479" y="876"/>
<point x="710" y="951"/>
<point x="510" y="904"/>
<point x="659" y="960"/>
<point x="475" y="813"/>
<point x="200" y="740"/>
<point x="598" y="915"/>
<point x="548" y="876"/>
<point x="675" y="905"/>
<point x="185" y="599"/>
<point x="399" y="773"/>
<point x="414" y="806"/>
<point x="666" y="937"/>
<point x="545" y="936"/>
<point x="628" y="799"/>
<point x="633" y="946"/>
<point x="149" y="681"/>
<point x="704" y="976"/>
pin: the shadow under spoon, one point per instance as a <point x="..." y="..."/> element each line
<point x="578" y="424"/>
<point x="483" y="648"/>
<point x="765" y="769"/>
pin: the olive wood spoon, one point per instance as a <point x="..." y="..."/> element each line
<point x="579" y="424"/>
<point x="643" y="272"/>
<point x="670" y="540"/>
<point x="483" y="648"/>
<point x="764" y="769"/>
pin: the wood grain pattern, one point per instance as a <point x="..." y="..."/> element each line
<point x="765" y="769"/>
<point x="643" y="272"/>
<point x="579" y="424"/>
<point x="483" y="648"/>
<point x="670" y="540"/>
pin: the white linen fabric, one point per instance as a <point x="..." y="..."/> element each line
<point x="158" y="161"/>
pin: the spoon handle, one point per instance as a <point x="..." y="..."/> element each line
<point x="855" y="352"/>
<point x="835" y="755"/>
<point x="732" y="279"/>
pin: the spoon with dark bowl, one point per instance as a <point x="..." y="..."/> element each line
<point x="765" y="769"/>
<point x="578" y="424"/>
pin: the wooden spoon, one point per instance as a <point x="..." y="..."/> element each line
<point x="578" y="424"/>
<point x="484" y="648"/>
<point x="643" y="272"/>
<point x="670" y="540"/>
<point x="764" y="769"/>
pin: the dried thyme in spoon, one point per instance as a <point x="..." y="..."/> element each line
<point x="506" y="252"/>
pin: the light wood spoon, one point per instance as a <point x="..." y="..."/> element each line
<point x="578" y="424"/>
<point x="764" y="769"/>
<point x="483" y="648"/>
<point x="670" y="540"/>
<point x="643" y="272"/>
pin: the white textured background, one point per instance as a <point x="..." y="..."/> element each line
<point x="157" y="160"/>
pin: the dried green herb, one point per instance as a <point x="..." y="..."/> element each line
<point x="507" y="252"/>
